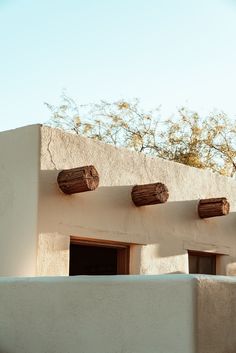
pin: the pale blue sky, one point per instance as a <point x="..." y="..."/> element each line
<point x="168" y="52"/>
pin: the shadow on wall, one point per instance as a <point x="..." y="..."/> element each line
<point x="118" y="196"/>
<point x="50" y="188"/>
<point x="109" y="213"/>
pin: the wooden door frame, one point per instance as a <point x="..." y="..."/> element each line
<point x="123" y="251"/>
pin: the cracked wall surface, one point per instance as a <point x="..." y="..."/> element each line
<point x="162" y="233"/>
<point x="119" y="166"/>
<point x="36" y="217"/>
<point x="37" y="220"/>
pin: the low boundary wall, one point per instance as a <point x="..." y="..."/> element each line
<point x="118" y="314"/>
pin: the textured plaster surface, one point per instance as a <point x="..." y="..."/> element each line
<point x="128" y="314"/>
<point x="216" y="307"/>
<point x="117" y="166"/>
<point x="166" y="232"/>
<point x="35" y="214"/>
<point x="53" y="254"/>
<point x="19" y="184"/>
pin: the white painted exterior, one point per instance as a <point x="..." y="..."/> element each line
<point x="19" y="185"/>
<point x="109" y="314"/>
<point x="37" y="219"/>
<point x="161" y="234"/>
<point x="128" y="314"/>
<point x="98" y="315"/>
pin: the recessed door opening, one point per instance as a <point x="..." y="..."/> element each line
<point x="92" y="258"/>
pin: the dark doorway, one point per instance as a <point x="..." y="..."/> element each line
<point x="98" y="259"/>
<point x="202" y="263"/>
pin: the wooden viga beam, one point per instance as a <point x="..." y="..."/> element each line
<point x="213" y="207"/>
<point x="72" y="181"/>
<point x="149" y="194"/>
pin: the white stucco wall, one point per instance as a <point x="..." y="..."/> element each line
<point x="160" y="234"/>
<point x="128" y="314"/>
<point x="19" y="183"/>
<point x="37" y="219"/>
<point x="121" y="167"/>
<point x="98" y="315"/>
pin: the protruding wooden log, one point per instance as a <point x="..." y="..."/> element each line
<point x="77" y="180"/>
<point x="149" y="194"/>
<point x="213" y="207"/>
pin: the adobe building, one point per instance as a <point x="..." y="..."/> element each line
<point x="45" y="232"/>
<point x="49" y="238"/>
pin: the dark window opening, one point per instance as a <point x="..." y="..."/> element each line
<point x="202" y="263"/>
<point x="90" y="259"/>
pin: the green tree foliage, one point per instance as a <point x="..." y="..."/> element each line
<point x="186" y="138"/>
